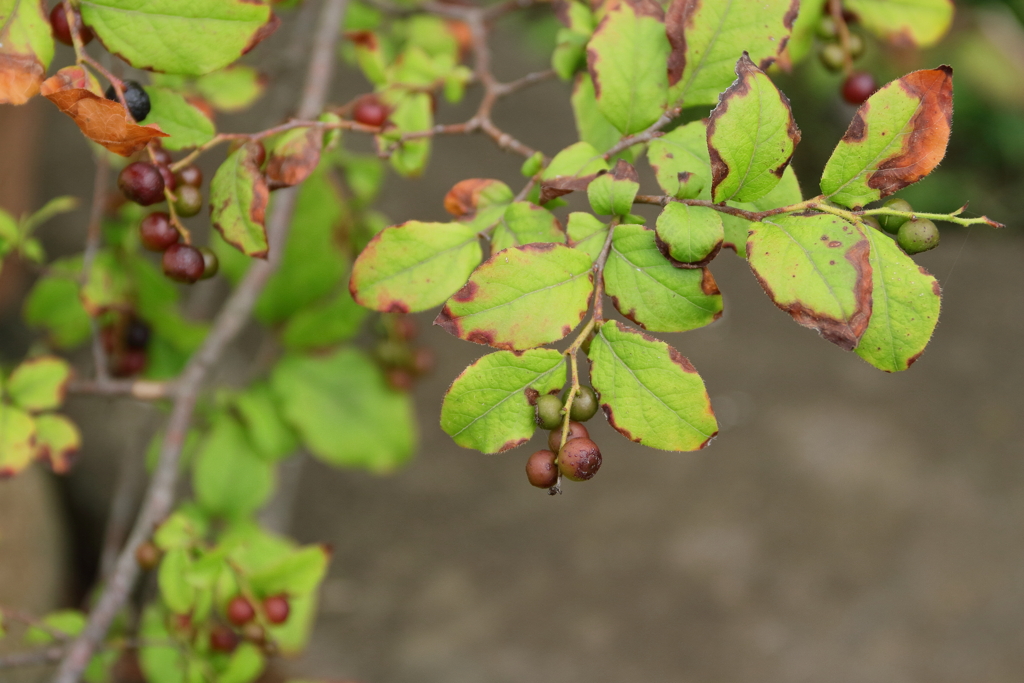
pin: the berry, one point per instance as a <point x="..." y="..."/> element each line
<point x="136" y="335"/>
<point x="183" y="263"/>
<point x="856" y="45"/>
<point x="254" y="633"/>
<point x="240" y="611"/>
<point x="858" y="87"/>
<point x="549" y="411"/>
<point x="400" y="379"/>
<point x="277" y="609"/>
<point x="135" y="97"/>
<point x="422" y="360"/>
<point x="832" y="56"/>
<point x="576" y="431"/>
<point x="223" y="639"/>
<point x="211" y="264"/>
<point x="156" y="232"/>
<point x="188" y="201"/>
<point x="61" y="30"/>
<point x="891" y="224"/>
<point x="147" y="555"/>
<point x="827" y="28"/>
<point x="917" y="235"/>
<point x="190" y="175"/>
<point x="370" y="111"/>
<point x="141" y="183"/>
<point x="131" y="362"/>
<point x="579" y="459"/>
<point x="871" y="222"/>
<point x="541" y="469"/>
<point x="161" y="157"/>
<point x="169" y="181"/>
<point x="405" y="328"/>
<point x="584" y="405"/>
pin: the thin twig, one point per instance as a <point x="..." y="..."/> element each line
<point x="93" y="239"/>
<point x="22" y="659"/>
<point x="652" y="131"/>
<point x="159" y="498"/>
<point x="141" y="389"/>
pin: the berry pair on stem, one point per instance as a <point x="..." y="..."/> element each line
<point x="914" y="235"/>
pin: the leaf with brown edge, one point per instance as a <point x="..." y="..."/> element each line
<point x="26" y="49"/>
<point x="905" y="23"/>
<point x="522" y="297"/>
<point x="238" y="202"/>
<point x="57" y="441"/>
<point x="473" y="194"/>
<point x="817" y="268"/>
<point x="751" y="136"/>
<point x="71" y="77"/>
<point x="294" y="155"/>
<point x="896" y="138"/>
<point x="17" y="440"/>
<point x="649" y="391"/>
<point x="104" y="121"/>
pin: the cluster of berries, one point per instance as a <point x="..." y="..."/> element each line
<point x="835" y="55"/>
<point x="914" y="235"/>
<point x="125" y="339"/>
<point x="402" y="362"/>
<point x="579" y="458"/>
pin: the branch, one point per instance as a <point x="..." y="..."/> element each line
<point x="653" y="131"/>
<point x="159" y="498"/>
<point x="93" y="237"/>
<point x="141" y="389"/>
<point x="21" y="659"/>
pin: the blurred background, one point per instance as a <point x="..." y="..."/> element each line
<point x="846" y="526"/>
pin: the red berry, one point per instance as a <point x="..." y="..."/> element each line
<point x="541" y="469"/>
<point x="858" y="87"/>
<point x="223" y="639"/>
<point x="579" y="459"/>
<point x="422" y="360"/>
<point x="190" y="175"/>
<point x="405" y="328"/>
<point x="156" y="232"/>
<point x="141" y="183"/>
<point x="61" y="30"/>
<point x="188" y="201"/>
<point x="211" y="264"/>
<point x="169" y="182"/>
<point x="576" y="431"/>
<point x="400" y="379"/>
<point x="261" y="153"/>
<point x="183" y="263"/>
<point x="160" y="155"/>
<point x="131" y="363"/>
<point x="147" y="555"/>
<point x="240" y="611"/>
<point x="277" y="609"/>
<point x="370" y="111"/>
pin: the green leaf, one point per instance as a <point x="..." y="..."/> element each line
<point x="570" y="53"/>
<point x="817" y="269"/>
<point x="592" y="126"/>
<point x="179" y="595"/>
<point x="905" y="302"/>
<point x="344" y="411"/>
<point x="54" y="305"/>
<point x="238" y="200"/>
<point x="245" y="665"/>
<point x="626" y="58"/>
<point x="522" y="297"/>
<point x="57" y="441"/>
<point x="905" y="23"/>
<point x="690" y="235"/>
<point x="108" y="285"/>
<point x="39" y="383"/>
<point x="159" y="657"/>
<point x="681" y="162"/>
<point x="26" y="49"/>
<point x="613" y="193"/>
<point x="313" y="262"/>
<point x="490" y="406"/>
<point x="187" y="126"/>
<point x="10" y="234"/>
<point x="786" y="193"/>
<point x="578" y="160"/>
<point x="804" y="28"/>
<point x="586" y="233"/>
<point x="195" y="36"/>
<point x="751" y="136"/>
<point x="230" y="480"/>
<point x="650" y="393"/>
<point x="526" y="223"/>
<point x="412" y="113"/>
<point x="895" y="139"/>
<point x="707" y="38"/>
<point x="184" y="528"/>
<point x="476" y="197"/>
<point x="67" y="622"/>
<point x="653" y="293"/>
<point x="324" y="323"/>
<point x="299" y="573"/>
<point x="414" y="266"/>
<point x="233" y="89"/>
<point x="267" y="430"/>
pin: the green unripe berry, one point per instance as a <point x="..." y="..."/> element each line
<point x="918" y="235"/>
<point x="188" y="201"/>
<point x="832" y="56"/>
<point x="871" y="222"/>
<point x="827" y="28"/>
<point x="584" y="404"/>
<point x="891" y="224"/>
<point x="856" y="45"/>
<point x="549" y="411"/>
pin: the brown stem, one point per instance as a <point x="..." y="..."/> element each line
<point x="93" y="238"/>
<point x="159" y="498"/>
<point x="22" y="659"/>
<point x="652" y="131"/>
<point x="835" y="8"/>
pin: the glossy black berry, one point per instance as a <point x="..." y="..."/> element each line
<point x="211" y="264"/>
<point x="156" y="232"/>
<point x="541" y="469"/>
<point x="584" y="405"/>
<point x="137" y="334"/>
<point x="576" y="431"/>
<point x="579" y="459"/>
<point x="188" y="201"/>
<point x="891" y="224"/>
<point x="183" y="263"/>
<point x="240" y="611"/>
<point x="61" y="29"/>
<point x="134" y="96"/>
<point x="277" y="609"/>
<point x="141" y="183"/>
<point x="917" y="235"/>
<point x="549" y="411"/>
<point x="190" y="175"/>
<point x="858" y="87"/>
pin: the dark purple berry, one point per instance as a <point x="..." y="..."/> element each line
<point x="858" y="87"/>
<point x="183" y="263"/>
<point x="156" y="232"/>
<point x="141" y="183"/>
<point x="61" y="30"/>
<point x="135" y="97"/>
